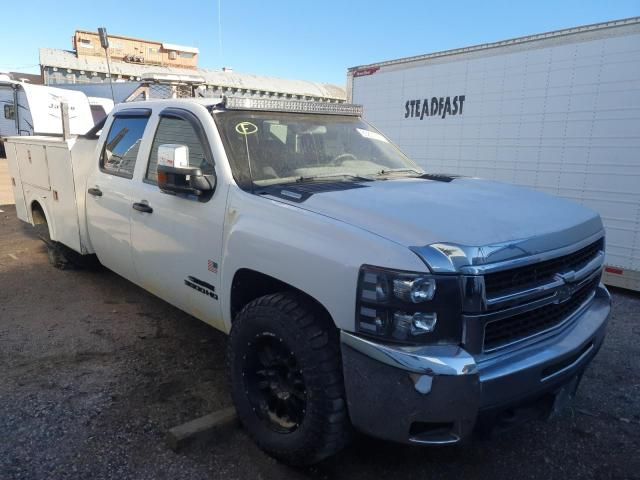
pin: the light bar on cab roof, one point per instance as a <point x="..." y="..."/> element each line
<point x="298" y="106"/>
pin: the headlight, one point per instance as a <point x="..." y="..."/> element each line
<point x="416" y="290"/>
<point x="409" y="307"/>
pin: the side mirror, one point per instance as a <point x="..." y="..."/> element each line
<point x="175" y="176"/>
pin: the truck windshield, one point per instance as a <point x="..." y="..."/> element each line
<point x="269" y="148"/>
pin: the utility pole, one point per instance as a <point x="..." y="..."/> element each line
<point x="104" y="42"/>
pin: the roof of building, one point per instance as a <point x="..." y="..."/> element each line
<point x="50" y="57"/>
<point x="166" y="46"/>
<point x="34" y="78"/>
<point x="179" y="48"/>
<point x="122" y="37"/>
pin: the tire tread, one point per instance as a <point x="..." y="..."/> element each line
<point x="331" y="428"/>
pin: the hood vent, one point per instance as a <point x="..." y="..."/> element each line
<point x="299" y="192"/>
<point x="440" y="177"/>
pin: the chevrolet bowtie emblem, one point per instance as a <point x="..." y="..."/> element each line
<point x="566" y="291"/>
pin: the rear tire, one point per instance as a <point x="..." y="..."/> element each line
<point x="62" y="257"/>
<point x="286" y="378"/>
<point x="57" y="257"/>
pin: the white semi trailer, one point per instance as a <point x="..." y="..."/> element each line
<point x="558" y="112"/>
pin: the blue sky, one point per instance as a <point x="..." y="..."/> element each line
<point x="311" y="40"/>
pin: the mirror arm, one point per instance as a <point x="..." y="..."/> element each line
<point x="201" y="182"/>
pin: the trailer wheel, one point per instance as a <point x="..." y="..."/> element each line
<point x="286" y="378"/>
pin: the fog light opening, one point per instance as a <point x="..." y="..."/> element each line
<point x="433" y="433"/>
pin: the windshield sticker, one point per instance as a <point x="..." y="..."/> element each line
<point x="372" y="135"/>
<point x="246" y="128"/>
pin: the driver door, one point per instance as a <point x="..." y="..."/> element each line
<point x="177" y="239"/>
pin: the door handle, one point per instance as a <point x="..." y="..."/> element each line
<point x="96" y="192"/>
<point x="142" y="207"/>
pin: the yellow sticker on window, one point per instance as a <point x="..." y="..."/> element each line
<point x="246" y="128"/>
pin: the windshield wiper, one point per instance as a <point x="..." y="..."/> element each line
<point x="359" y="178"/>
<point x="392" y="171"/>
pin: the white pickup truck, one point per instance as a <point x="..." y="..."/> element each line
<point x="358" y="290"/>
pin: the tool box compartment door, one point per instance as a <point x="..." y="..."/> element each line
<point x="32" y="161"/>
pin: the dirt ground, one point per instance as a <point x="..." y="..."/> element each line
<point x="94" y="371"/>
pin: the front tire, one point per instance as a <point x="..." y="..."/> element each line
<point x="286" y="378"/>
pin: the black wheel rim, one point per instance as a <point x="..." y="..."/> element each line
<point x="274" y="384"/>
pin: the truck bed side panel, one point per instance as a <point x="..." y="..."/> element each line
<point x="83" y="154"/>
<point x="63" y="197"/>
<point x="32" y="161"/>
<point x="43" y="173"/>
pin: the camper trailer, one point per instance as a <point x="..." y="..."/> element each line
<point x="35" y="110"/>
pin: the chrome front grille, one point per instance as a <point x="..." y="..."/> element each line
<point x="500" y="283"/>
<point x="523" y="325"/>
<point x="510" y="305"/>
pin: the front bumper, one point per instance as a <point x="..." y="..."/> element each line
<point x="436" y="394"/>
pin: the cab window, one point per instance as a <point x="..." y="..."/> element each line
<point x="174" y="130"/>
<point x="121" y="147"/>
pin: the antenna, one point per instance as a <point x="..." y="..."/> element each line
<point x="104" y="43"/>
<point x="220" y="31"/>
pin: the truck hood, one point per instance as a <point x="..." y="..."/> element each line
<point x="465" y="211"/>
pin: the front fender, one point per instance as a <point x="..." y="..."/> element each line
<point x="316" y="254"/>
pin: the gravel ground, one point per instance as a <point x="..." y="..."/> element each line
<point x="95" y="370"/>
